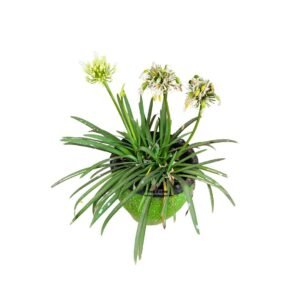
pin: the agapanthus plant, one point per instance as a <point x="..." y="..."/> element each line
<point x="150" y="169"/>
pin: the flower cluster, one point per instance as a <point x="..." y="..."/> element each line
<point x="200" y="93"/>
<point x="160" y="80"/>
<point x="99" y="70"/>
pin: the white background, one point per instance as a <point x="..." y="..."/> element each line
<point x="249" y="49"/>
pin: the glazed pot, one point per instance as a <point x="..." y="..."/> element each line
<point x="174" y="202"/>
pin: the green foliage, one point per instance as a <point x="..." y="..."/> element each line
<point x="143" y="157"/>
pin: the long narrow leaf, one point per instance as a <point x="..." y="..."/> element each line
<point x="189" y="196"/>
<point x="141" y="184"/>
<point x="208" y="143"/>
<point x="141" y="228"/>
<point x="94" y="127"/>
<point x="126" y="180"/>
<point x="211" y="195"/>
<point x="74" y="174"/>
<point x="183" y="127"/>
<point x="85" y="142"/>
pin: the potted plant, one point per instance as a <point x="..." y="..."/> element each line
<point x="150" y="169"/>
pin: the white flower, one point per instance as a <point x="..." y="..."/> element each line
<point x="99" y="70"/>
<point x="200" y="93"/>
<point x="160" y="80"/>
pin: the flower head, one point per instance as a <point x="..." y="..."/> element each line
<point x="160" y="80"/>
<point x="99" y="70"/>
<point x="200" y="93"/>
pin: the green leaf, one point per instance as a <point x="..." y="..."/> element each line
<point x="162" y="123"/>
<point x="165" y="202"/>
<point x="208" y="143"/>
<point x="190" y="156"/>
<point x="152" y="121"/>
<point x="141" y="229"/>
<point x="85" y="142"/>
<point x="183" y="127"/>
<point x="108" y="182"/>
<point x="145" y="180"/>
<point x="126" y="181"/>
<point x="98" y="165"/>
<point x="81" y="172"/>
<point x="121" y="145"/>
<point x="211" y="161"/>
<point x="176" y="140"/>
<point x="211" y="195"/>
<point x="171" y="162"/>
<point x="94" y="127"/>
<point x="145" y="129"/>
<point x="188" y="191"/>
<point x="149" y="152"/>
<point x="220" y="187"/>
<point x="132" y="125"/>
<point x="199" y="175"/>
<point x="195" y="167"/>
<point x="74" y="174"/>
<point x="85" y="185"/>
<point x="127" y="121"/>
<point x="130" y="114"/>
<point x="211" y="170"/>
<point x="149" y="117"/>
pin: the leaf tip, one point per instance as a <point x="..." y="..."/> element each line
<point x="102" y="230"/>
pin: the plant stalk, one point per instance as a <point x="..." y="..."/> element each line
<point x="167" y="104"/>
<point x="195" y="127"/>
<point x="113" y="98"/>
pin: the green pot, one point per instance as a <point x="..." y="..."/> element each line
<point x="174" y="204"/>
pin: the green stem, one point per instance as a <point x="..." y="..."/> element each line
<point x="168" y="110"/>
<point x="195" y="127"/>
<point x="167" y="127"/>
<point x="113" y="98"/>
<point x="167" y="105"/>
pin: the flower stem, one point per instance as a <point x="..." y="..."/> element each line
<point x="168" y="110"/>
<point x="167" y="104"/>
<point x="113" y="98"/>
<point x="195" y="127"/>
